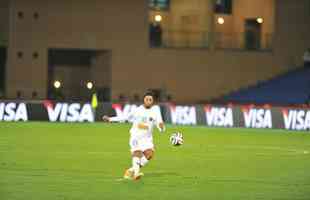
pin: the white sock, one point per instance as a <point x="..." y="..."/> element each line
<point x="136" y="165"/>
<point x="143" y="161"/>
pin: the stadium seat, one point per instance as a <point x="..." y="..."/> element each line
<point x="290" y="88"/>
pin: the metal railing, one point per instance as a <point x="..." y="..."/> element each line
<point x="184" y="39"/>
<point x="243" y="41"/>
<point x="202" y="39"/>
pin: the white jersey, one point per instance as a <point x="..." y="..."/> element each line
<point x="143" y="117"/>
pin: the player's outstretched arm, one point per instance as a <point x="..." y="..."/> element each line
<point x="106" y="118"/>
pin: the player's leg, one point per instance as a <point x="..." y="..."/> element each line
<point x="134" y="170"/>
<point x="147" y="156"/>
<point x="148" y="150"/>
<point x="136" y="164"/>
<point x="136" y="153"/>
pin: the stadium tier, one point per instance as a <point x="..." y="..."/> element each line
<point x="288" y="89"/>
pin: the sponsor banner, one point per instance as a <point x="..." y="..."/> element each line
<point x="226" y="116"/>
<point x="257" y="117"/>
<point x="104" y="109"/>
<point x="181" y="115"/>
<point x="69" y="112"/>
<point x="11" y="111"/>
<point x="37" y="112"/>
<point x="219" y="116"/>
<point x="296" y="119"/>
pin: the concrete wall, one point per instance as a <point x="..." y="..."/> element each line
<point x="245" y="9"/>
<point x="27" y="36"/>
<point x="231" y="33"/>
<point x="292" y="31"/>
<point x="187" y="74"/>
<point x="101" y="69"/>
<point x="4" y="21"/>
<point x="187" y="23"/>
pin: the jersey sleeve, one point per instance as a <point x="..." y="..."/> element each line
<point x="117" y="119"/>
<point x="159" y="118"/>
<point x="130" y="117"/>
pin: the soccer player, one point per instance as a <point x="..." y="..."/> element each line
<point x="144" y="118"/>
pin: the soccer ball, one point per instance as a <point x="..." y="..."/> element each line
<point x="176" y="139"/>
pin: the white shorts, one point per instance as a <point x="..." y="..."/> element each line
<point x="140" y="144"/>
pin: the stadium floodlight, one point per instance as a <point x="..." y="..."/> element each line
<point x="158" y="18"/>
<point x="57" y="84"/>
<point x="260" y="20"/>
<point x="89" y="85"/>
<point x="220" y="20"/>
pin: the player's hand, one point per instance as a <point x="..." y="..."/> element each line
<point x="106" y="118"/>
<point x="143" y="126"/>
<point x="162" y="127"/>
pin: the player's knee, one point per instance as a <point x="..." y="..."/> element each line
<point x="149" y="155"/>
<point x="137" y="154"/>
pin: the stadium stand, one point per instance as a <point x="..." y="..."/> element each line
<point x="288" y="89"/>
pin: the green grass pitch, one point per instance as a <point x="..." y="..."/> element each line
<point x="86" y="162"/>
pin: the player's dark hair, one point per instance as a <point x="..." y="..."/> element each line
<point x="148" y="93"/>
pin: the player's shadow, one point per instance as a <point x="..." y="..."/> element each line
<point x="161" y="174"/>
